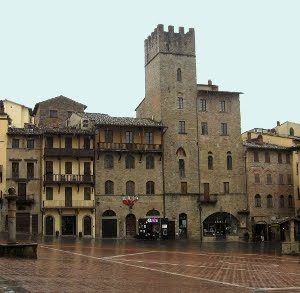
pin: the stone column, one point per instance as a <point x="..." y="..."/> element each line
<point x="292" y="231"/>
<point x="11" y="199"/>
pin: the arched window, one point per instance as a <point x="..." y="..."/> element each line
<point x="109" y="187"/>
<point x="129" y="160"/>
<point x="179" y="77"/>
<point x="210" y="161"/>
<point x="149" y="162"/>
<point x="269" y="201"/>
<point x="229" y="161"/>
<point x="256" y="178"/>
<point x="150" y="187"/>
<point x="257" y="200"/>
<point x="109" y="213"/>
<point x="290" y="201"/>
<point x="153" y="213"/>
<point x="108" y="161"/>
<point x="292" y="132"/>
<point x="130" y="188"/>
<point x="269" y="179"/>
<point x="181" y="152"/>
<point x="281" y="201"/>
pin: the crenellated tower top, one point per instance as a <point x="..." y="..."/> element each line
<point x="169" y="42"/>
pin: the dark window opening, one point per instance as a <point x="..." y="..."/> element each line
<point x="30" y="170"/>
<point x="109" y="187"/>
<point x="181" y="168"/>
<point x="150" y="187"/>
<point x="53" y="114"/>
<point x="183" y="187"/>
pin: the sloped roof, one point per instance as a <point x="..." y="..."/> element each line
<point x="58" y="97"/>
<point x="104" y="119"/>
<point x="263" y="145"/>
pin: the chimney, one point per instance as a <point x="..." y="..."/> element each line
<point x="278" y="123"/>
<point x="209" y="82"/>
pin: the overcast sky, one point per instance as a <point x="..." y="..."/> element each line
<point x="93" y="52"/>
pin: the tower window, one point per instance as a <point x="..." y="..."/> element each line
<point x="129" y="137"/>
<point x="222" y="106"/>
<point x="229" y="161"/>
<point x="181" y="127"/>
<point x="203" y="105"/>
<point x="179" y="76"/>
<point x="226" y="187"/>
<point x="224" y="130"/>
<point x="210" y="161"/>
<point x="204" y="128"/>
<point x="292" y="132"/>
<point x="180" y="103"/>
<point x="181" y="168"/>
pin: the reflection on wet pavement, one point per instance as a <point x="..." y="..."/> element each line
<point x="89" y="265"/>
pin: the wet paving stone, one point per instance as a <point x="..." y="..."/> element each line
<point x="89" y="265"/>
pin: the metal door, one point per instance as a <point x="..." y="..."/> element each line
<point x="130" y="225"/>
<point x="109" y="228"/>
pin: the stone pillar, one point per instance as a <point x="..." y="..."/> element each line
<point x="292" y="231"/>
<point x="11" y="199"/>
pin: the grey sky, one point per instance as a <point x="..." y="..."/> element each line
<point x="92" y="51"/>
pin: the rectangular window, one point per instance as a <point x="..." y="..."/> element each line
<point x="129" y="137"/>
<point x="222" y="106"/>
<point x="15" y="143"/>
<point x="85" y="123"/>
<point x="68" y="142"/>
<point x="279" y="158"/>
<point x="267" y="157"/>
<point x="183" y="187"/>
<point x="49" y="193"/>
<point x="86" y="143"/>
<point x="149" y="138"/>
<point x="53" y="114"/>
<point x="206" y="189"/>
<point x="203" y="105"/>
<point x="288" y="159"/>
<point x="281" y="180"/>
<point x="269" y="179"/>
<point x="87" y="193"/>
<point x="30" y="143"/>
<point x="224" y="130"/>
<point x="181" y="127"/>
<point x="181" y="168"/>
<point x="226" y="187"/>
<point x="30" y="170"/>
<point x="255" y="156"/>
<point x="87" y="168"/>
<point x="204" y="128"/>
<point x="15" y="170"/>
<point x="256" y="178"/>
<point x="49" y="142"/>
<point x="289" y="179"/>
<point x="22" y="189"/>
<point x="68" y="167"/>
<point x="180" y="102"/>
<point x="108" y="136"/>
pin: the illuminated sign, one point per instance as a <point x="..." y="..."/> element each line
<point x="152" y="220"/>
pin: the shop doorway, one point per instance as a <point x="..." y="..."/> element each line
<point x="23" y="222"/>
<point x="130" y="225"/>
<point x="183" y="226"/>
<point x="87" y="226"/>
<point x="109" y="224"/>
<point x="260" y="232"/>
<point x="68" y="227"/>
<point x="49" y="226"/>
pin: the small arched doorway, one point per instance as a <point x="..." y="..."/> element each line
<point x="182" y="225"/>
<point x="49" y="226"/>
<point x="109" y="224"/>
<point x="87" y="226"/>
<point x="130" y="225"/>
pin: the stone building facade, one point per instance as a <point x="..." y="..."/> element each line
<point x="180" y="169"/>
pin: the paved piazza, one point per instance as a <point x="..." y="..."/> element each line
<point x="70" y="265"/>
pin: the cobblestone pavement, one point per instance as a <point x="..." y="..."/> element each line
<point x="69" y="265"/>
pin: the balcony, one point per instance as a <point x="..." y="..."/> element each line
<point x="208" y="199"/>
<point x="129" y="147"/>
<point x="73" y="204"/>
<point x="27" y="199"/>
<point x="63" y="152"/>
<point x="68" y="179"/>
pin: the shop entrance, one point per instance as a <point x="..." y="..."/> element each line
<point x="130" y="225"/>
<point x="109" y="224"/>
<point x="23" y="222"/>
<point x="260" y="232"/>
<point x="49" y="225"/>
<point x="68" y="225"/>
<point x="183" y="226"/>
<point x="87" y="226"/>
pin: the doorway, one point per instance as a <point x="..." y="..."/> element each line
<point x="130" y="225"/>
<point x="109" y="224"/>
<point x="49" y="225"/>
<point x="87" y="226"/>
<point x="183" y="226"/>
<point x="68" y="225"/>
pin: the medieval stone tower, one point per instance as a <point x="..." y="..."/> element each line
<point x="171" y="88"/>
